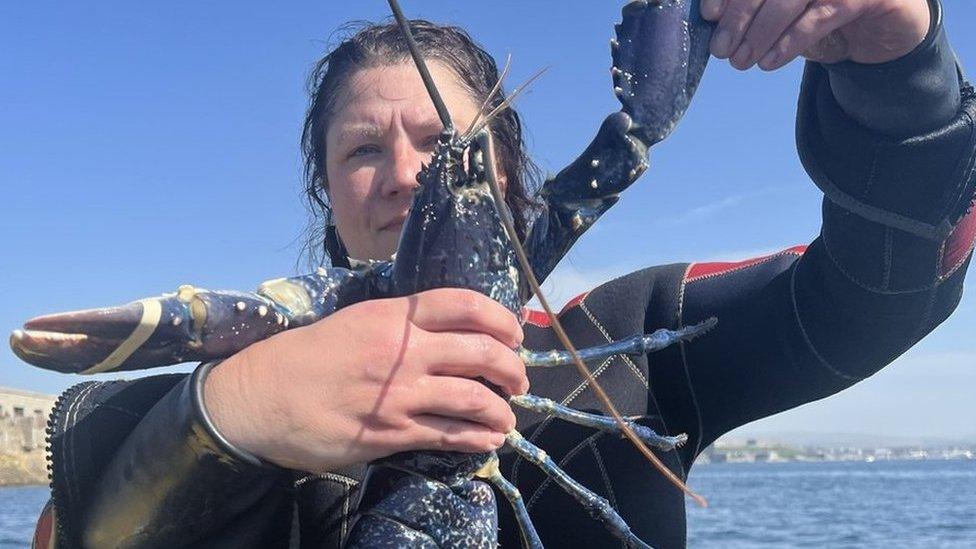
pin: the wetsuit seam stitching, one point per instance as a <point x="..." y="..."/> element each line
<point x="760" y="261"/>
<point x="71" y="434"/>
<point x="886" y="273"/>
<point x="584" y="384"/>
<point x="933" y="293"/>
<point x="684" y="364"/>
<point x="806" y="336"/>
<point x="343" y="479"/>
<point x="872" y="174"/>
<point x="863" y="285"/>
<point x="603" y="473"/>
<point x="572" y="453"/>
<point x="548" y="421"/>
<point x="630" y="364"/>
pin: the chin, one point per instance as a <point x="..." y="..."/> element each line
<point x="387" y="245"/>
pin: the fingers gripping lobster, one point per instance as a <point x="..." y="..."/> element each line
<point x="457" y="234"/>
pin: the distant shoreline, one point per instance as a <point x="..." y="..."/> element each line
<point x="43" y="484"/>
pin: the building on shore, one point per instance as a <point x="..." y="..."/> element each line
<point x="23" y="419"/>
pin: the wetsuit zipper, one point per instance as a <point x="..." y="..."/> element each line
<point x="56" y="424"/>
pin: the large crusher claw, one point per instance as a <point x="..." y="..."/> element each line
<point x="659" y="57"/>
<point x="191" y="324"/>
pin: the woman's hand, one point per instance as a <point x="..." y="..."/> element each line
<point x="774" y="32"/>
<point x="373" y="379"/>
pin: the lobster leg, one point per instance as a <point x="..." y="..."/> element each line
<point x="636" y="345"/>
<point x="596" y="421"/>
<point x="530" y="538"/>
<point x="598" y="507"/>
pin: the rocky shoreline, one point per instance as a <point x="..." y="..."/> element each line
<point x="27" y="468"/>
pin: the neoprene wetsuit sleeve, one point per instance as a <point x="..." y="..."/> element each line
<point x="916" y="93"/>
<point x="888" y="266"/>
<point x="134" y="464"/>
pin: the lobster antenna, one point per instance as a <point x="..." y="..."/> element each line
<point x="483" y="122"/>
<point x="435" y="96"/>
<point x="506" y="218"/>
<point x="491" y="95"/>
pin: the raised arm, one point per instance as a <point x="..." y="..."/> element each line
<point x="892" y="146"/>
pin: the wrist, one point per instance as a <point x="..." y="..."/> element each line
<point x="912" y="94"/>
<point x="220" y="400"/>
<point x="907" y="25"/>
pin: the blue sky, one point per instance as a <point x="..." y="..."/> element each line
<point x="146" y="146"/>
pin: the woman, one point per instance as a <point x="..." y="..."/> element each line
<point x="139" y="463"/>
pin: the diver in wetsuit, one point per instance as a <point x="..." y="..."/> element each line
<point x="889" y="140"/>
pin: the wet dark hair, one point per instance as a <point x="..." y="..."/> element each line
<point x="374" y="45"/>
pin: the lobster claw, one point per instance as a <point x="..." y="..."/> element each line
<point x="582" y="191"/>
<point x="189" y="325"/>
<point x="658" y="59"/>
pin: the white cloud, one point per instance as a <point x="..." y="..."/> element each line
<point x="705" y="211"/>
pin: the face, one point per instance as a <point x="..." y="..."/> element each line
<point x="384" y="127"/>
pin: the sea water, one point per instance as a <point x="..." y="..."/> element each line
<point x="890" y="504"/>
<point x="19" y="508"/>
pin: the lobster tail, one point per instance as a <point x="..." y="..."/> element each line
<point x="423" y="501"/>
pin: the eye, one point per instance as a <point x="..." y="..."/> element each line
<point x="363" y="150"/>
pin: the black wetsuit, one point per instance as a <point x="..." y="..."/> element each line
<point x="793" y="327"/>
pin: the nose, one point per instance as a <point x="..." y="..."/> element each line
<point x="404" y="164"/>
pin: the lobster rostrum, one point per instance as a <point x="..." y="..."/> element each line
<point x="457" y="234"/>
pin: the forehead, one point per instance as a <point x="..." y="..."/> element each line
<point x="371" y="95"/>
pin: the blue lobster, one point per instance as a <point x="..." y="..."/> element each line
<point x="458" y="234"/>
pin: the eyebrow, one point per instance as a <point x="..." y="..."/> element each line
<point x="367" y="131"/>
<point x="359" y="131"/>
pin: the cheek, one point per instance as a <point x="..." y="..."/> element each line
<point x="349" y="196"/>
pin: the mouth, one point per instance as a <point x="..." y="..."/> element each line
<point x="396" y="223"/>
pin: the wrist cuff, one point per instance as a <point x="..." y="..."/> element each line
<point x="912" y="94"/>
<point x="201" y="418"/>
<point x="921" y="185"/>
